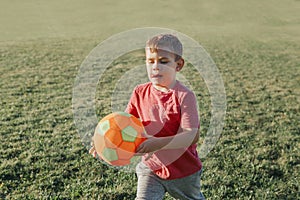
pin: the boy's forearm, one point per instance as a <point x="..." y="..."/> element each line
<point x="180" y="140"/>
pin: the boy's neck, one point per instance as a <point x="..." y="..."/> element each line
<point x="164" y="88"/>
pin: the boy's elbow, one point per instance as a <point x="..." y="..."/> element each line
<point x="193" y="135"/>
<point x="196" y="138"/>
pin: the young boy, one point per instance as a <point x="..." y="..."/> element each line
<point x="168" y="110"/>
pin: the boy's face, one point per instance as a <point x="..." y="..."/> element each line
<point x="162" y="68"/>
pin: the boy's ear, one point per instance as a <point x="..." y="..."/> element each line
<point x="180" y="64"/>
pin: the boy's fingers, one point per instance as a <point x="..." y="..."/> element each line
<point x="142" y="154"/>
<point x="94" y="154"/>
<point x="139" y="154"/>
<point x="92" y="150"/>
<point x="149" y="156"/>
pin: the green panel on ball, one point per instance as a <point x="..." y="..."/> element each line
<point x="110" y="154"/>
<point x="129" y="134"/>
<point x="103" y="127"/>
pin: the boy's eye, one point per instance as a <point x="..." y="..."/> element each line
<point x="163" y="61"/>
<point x="150" y="61"/>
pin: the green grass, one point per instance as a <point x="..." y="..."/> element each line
<point x="218" y="19"/>
<point x="257" y="53"/>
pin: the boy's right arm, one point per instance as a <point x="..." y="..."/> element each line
<point x="183" y="139"/>
<point x="196" y="139"/>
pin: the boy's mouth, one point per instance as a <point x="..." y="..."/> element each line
<point x="156" y="76"/>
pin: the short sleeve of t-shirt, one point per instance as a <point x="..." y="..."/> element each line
<point x="131" y="108"/>
<point x="189" y="111"/>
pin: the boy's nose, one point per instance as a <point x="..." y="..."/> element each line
<point x="155" y="66"/>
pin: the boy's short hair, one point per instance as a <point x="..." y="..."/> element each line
<point x="163" y="41"/>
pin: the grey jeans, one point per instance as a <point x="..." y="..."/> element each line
<point x="151" y="187"/>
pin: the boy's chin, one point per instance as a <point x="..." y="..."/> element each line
<point x="154" y="82"/>
<point x="161" y="87"/>
<point x="157" y="84"/>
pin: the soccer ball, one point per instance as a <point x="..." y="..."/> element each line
<point x="117" y="137"/>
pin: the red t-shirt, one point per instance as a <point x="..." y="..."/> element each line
<point x="166" y="114"/>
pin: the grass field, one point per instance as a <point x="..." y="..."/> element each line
<point x="255" y="45"/>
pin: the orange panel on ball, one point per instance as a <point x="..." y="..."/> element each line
<point x="123" y="154"/>
<point x="121" y="121"/>
<point x="128" y="146"/>
<point x="114" y="137"/>
<point x="139" y="140"/>
<point x="136" y="121"/>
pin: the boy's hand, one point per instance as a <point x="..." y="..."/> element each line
<point x="150" y="145"/>
<point x="92" y="150"/>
